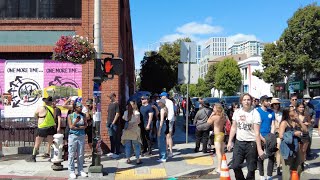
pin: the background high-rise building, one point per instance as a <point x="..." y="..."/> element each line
<point x="249" y="48"/>
<point x="214" y="47"/>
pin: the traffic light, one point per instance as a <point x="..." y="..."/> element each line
<point x="107" y="65"/>
<point x="111" y="67"/>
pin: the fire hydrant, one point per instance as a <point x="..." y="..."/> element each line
<point x="57" y="152"/>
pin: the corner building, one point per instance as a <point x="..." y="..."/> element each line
<point x="29" y="30"/>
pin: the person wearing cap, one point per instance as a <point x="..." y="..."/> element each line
<point x="267" y="126"/>
<point x="146" y="111"/>
<point x="246" y="127"/>
<point x="171" y="120"/>
<point x="161" y="129"/>
<point x="217" y="120"/>
<point x="112" y="125"/>
<point x="76" y="141"/>
<point x="46" y="126"/>
<point x="275" y="106"/>
<point x="256" y="103"/>
<point x="202" y="127"/>
<point x="312" y="114"/>
<point x="88" y="111"/>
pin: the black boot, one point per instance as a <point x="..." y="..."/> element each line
<point x="278" y="171"/>
<point x="196" y="150"/>
<point x="31" y="158"/>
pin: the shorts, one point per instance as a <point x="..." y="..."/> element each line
<point x="44" y="132"/>
<point x="88" y="131"/>
<point x="170" y="127"/>
<point x="219" y="137"/>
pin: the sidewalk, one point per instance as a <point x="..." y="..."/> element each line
<point x="184" y="165"/>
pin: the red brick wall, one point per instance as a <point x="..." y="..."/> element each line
<point x="116" y="38"/>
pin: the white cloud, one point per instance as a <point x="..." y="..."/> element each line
<point x="208" y="20"/>
<point x="240" y="37"/>
<point x="172" y="37"/>
<point x="197" y="28"/>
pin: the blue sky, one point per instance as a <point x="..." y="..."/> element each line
<point x="155" y="21"/>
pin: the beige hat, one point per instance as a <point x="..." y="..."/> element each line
<point x="275" y="101"/>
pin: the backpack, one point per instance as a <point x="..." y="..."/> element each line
<point x="227" y="127"/>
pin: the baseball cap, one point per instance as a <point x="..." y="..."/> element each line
<point x="265" y="97"/>
<point x="145" y="97"/>
<point x="206" y="103"/>
<point x="47" y="99"/>
<point x="164" y="94"/>
<point x="74" y="98"/>
<point x="162" y="101"/>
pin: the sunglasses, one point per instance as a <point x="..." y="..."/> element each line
<point x="294" y="99"/>
<point x="143" y="99"/>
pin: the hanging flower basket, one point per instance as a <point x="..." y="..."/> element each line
<point x="75" y="49"/>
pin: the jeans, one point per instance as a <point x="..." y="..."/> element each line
<point x="204" y="137"/>
<point x="271" y="160"/>
<point x="145" y="137"/>
<point x="136" y="146"/>
<point x="162" y="141"/>
<point x="244" y="150"/>
<point x="76" y="145"/>
<point x="114" y="139"/>
<point x="310" y="129"/>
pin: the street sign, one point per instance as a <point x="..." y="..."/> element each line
<point x="188" y="50"/>
<point x="183" y="73"/>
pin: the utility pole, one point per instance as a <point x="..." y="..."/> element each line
<point x="95" y="169"/>
<point x="187" y="109"/>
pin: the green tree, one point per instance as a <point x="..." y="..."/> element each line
<point x="155" y="73"/>
<point x="209" y="78"/>
<point x="228" y="77"/>
<point x="171" y="53"/>
<point x="273" y="65"/>
<point x="301" y="41"/>
<point x="298" y="49"/>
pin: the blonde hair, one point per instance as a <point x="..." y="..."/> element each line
<point x="220" y="110"/>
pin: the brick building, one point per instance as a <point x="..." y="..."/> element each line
<point x="28" y="32"/>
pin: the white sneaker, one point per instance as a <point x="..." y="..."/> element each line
<point x="72" y="176"/>
<point x="170" y="154"/>
<point x="161" y="160"/>
<point x="83" y="174"/>
<point x="109" y="154"/>
<point x="262" y="178"/>
<point x="115" y="156"/>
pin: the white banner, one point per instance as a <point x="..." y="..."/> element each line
<point x="23" y="82"/>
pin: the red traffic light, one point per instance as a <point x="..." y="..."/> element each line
<point x="107" y="65"/>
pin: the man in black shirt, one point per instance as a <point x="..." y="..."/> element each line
<point x="112" y="125"/>
<point x="146" y="112"/>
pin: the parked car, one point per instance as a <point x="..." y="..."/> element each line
<point x="228" y="100"/>
<point x="212" y="100"/>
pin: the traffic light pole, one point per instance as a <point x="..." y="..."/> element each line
<point x="95" y="169"/>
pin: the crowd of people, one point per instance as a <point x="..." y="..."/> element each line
<point x="254" y="130"/>
<point x="260" y="130"/>
<point x="146" y="120"/>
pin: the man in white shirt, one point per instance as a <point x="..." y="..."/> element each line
<point x="171" y="119"/>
